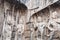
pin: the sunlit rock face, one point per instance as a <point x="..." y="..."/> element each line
<point x="48" y="18"/>
<point x="31" y="4"/>
<point x="42" y="25"/>
<point x="1" y="18"/>
<point x="13" y="27"/>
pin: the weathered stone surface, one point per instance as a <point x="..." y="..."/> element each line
<point x="31" y="4"/>
<point x="42" y="25"/>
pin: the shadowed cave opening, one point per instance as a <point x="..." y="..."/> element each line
<point x="18" y="5"/>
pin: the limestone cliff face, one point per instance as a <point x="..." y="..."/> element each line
<point x="18" y="22"/>
<point x="47" y="21"/>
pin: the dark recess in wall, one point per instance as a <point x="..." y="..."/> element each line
<point x="17" y="5"/>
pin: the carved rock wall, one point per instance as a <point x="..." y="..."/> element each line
<point x="43" y="25"/>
